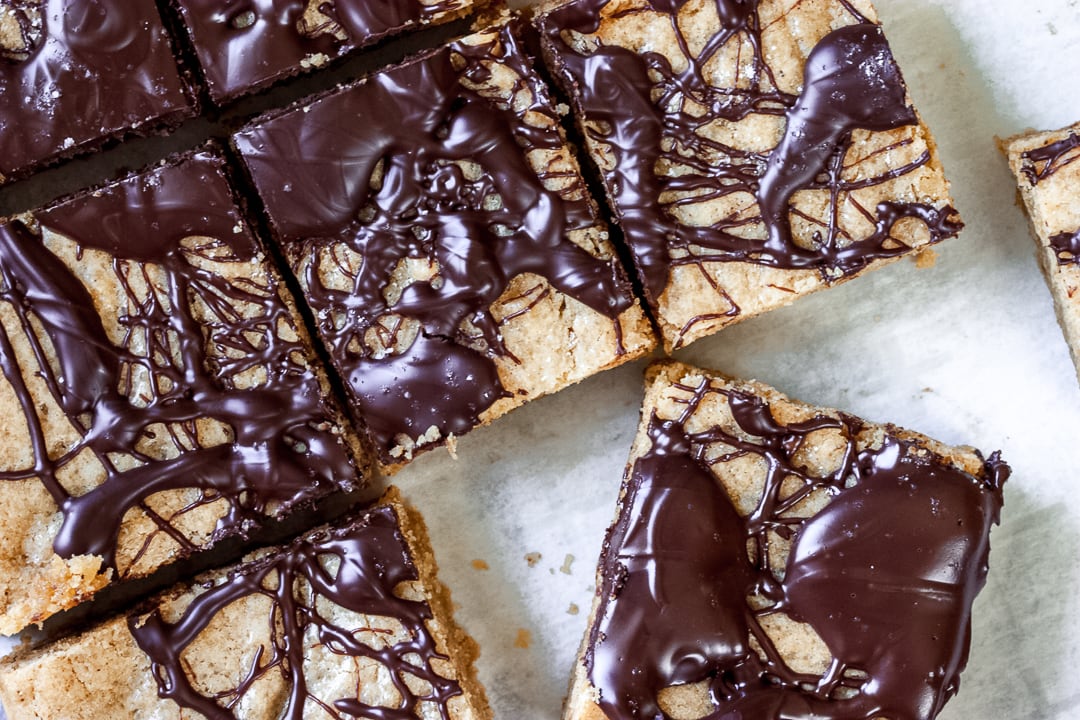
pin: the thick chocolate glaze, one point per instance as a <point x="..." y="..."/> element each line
<point x="92" y="70"/>
<point x="411" y="128"/>
<point x="885" y="574"/>
<point x="371" y="559"/>
<point x="631" y="106"/>
<point x="246" y="44"/>
<point x="173" y="220"/>
<point x="1043" y="162"/>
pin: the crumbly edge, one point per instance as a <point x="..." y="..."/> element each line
<point x="769" y="288"/>
<point x="84" y="695"/>
<point x="582" y="700"/>
<point x="461" y="647"/>
<point x="1062" y="280"/>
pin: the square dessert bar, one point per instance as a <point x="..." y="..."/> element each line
<point x="752" y="151"/>
<point x="75" y="74"/>
<point x="1048" y="173"/>
<point x="158" y="392"/>
<point x="445" y="240"/>
<point x="774" y="560"/>
<point x="246" y="46"/>
<point x="348" y="621"/>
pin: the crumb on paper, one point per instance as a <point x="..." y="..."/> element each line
<point x="451" y="445"/>
<point x="479" y="564"/>
<point x="925" y="259"/>
<point x="573" y="609"/>
<point x="524" y="637"/>
<point x="533" y="558"/>
<point x="565" y="569"/>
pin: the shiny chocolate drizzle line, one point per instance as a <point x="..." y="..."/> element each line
<point x="885" y="574"/>
<point x="1066" y="247"/>
<point x="635" y="107"/>
<point x="282" y="450"/>
<point x="371" y="561"/>
<point x="89" y="70"/>
<point x="244" y="44"/>
<point x="414" y="124"/>
<point x="1043" y="162"/>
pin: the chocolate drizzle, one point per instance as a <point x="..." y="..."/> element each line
<point x="1043" y="162"/>
<point x="87" y="70"/>
<point x="196" y="340"/>
<point x="1066" y="247"/>
<point x="417" y="165"/>
<point x="371" y="560"/>
<point x="885" y="574"/>
<point x="648" y="115"/>
<point x="246" y="44"/>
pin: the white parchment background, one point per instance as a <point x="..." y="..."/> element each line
<point x="967" y="352"/>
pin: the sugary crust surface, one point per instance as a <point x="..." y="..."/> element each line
<point x="549" y="339"/>
<point x="103" y="672"/>
<point x="234" y="291"/>
<point x="1053" y="207"/>
<point x="669" y="388"/>
<point x="702" y="296"/>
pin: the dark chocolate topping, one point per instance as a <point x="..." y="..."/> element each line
<point x="1043" y="162"/>
<point x="175" y="220"/>
<point x="414" y="126"/>
<point x="93" y="68"/>
<point x="245" y="44"/>
<point x="634" y="105"/>
<point x="1067" y="247"/>
<point x="885" y="574"/>
<point x="371" y="560"/>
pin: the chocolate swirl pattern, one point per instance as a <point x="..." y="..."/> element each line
<point x="680" y="131"/>
<point x="82" y="72"/>
<point x="358" y="569"/>
<point x="166" y="396"/>
<point x="1043" y="162"/>
<point x="423" y="211"/>
<point x="876" y="545"/>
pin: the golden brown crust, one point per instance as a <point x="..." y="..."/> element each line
<point x="1052" y="207"/>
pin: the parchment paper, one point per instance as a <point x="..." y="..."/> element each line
<point x="967" y="352"/>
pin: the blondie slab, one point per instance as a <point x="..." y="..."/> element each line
<point x="245" y="46"/>
<point x="157" y="389"/>
<point x="74" y="74"/>
<point x="753" y="151"/>
<point x="443" y="236"/>
<point x="348" y="621"/>
<point x="1048" y="174"/>
<point x="774" y="560"/>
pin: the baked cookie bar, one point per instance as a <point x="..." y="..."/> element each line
<point x="157" y="392"/>
<point x="775" y="560"/>
<point x="74" y="74"/>
<point x="245" y="46"/>
<point x="1047" y="171"/>
<point x="753" y="151"/>
<point x="446" y="242"/>
<point x="348" y="621"/>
